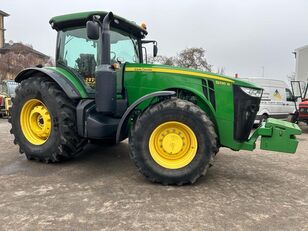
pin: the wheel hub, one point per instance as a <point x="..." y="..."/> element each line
<point x="35" y="122"/>
<point x="173" y="145"/>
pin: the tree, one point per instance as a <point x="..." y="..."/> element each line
<point x="188" y="58"/>
<point x="160" y="59"/>
<point x="193" y="58"/>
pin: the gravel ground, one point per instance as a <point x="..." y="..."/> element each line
<point x="102" y="190"/>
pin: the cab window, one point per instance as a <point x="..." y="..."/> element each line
<point x="81" y="55"/>
<point x="78" y="53"/>
<point x="123" y="47"/>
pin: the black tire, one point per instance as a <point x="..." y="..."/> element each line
<point x="63" y="142"/>
<point x="264" y="117"/>
<point x="186" y="113"/>
<point x="294" y="117"/>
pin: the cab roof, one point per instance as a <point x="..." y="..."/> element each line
<point x="79" y="19"/>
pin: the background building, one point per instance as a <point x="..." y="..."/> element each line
<point x="2" y="15"/>
<point x="301" y="71"/>
<point x="16" y="56"/>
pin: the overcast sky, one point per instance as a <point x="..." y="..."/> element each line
<point x="241" y="35"/>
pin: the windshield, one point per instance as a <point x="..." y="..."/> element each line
<point x="123" y="47"/>
<point x="82" y="55"/>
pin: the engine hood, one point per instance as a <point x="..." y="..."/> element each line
<point x="185" y="72"/>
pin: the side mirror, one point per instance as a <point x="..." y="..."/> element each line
<point x="155" y="50"/>
<point x="92" y="30"/>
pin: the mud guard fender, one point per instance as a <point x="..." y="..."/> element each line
<point x="122" y="127"/>
<point x="61" y="80"/>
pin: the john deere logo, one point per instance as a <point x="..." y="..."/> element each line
<point x="277" y="95"/>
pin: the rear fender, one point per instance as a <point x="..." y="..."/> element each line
<point x="63" y="82"/>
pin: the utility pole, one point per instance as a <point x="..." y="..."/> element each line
<point x="262" y="71"/>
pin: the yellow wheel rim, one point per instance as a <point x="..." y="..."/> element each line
<point x="35" y="122"/>
<point x="173" y="145"/>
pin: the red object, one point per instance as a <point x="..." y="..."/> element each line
<point x="1" y="99"/>
<point x="303" y="110"/>
<point x="304" y="103"/>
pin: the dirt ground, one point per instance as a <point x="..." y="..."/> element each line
<point x="102" y="190"/>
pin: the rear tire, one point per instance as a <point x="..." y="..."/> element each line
<point x="193" y="121"/>
<point x="62" y="141"/>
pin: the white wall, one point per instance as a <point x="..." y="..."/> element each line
<point x="302" y="63"/>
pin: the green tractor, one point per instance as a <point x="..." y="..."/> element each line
<point x="101" y="89"/>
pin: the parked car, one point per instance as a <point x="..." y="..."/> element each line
<point x="277" y="100"/>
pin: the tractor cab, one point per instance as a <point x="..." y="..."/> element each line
<point x="81" y="56"/>
<point x="7" y="92"/>
<point x="7" y="87"/>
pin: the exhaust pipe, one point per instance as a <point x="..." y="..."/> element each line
<point x="105" y="94"/>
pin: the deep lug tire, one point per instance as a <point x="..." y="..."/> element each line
<point x="173" y="142"/>
<point x="43" y="121"/>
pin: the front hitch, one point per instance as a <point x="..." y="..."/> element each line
<point x="276" y="135"/>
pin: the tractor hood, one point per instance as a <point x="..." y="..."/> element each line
<point x="187" y="73"/>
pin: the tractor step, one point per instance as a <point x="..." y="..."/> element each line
<point x="94" y="125"/>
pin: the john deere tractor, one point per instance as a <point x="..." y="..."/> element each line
<point x="102" y="89"/>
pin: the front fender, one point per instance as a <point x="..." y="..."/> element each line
<point x="122" y="127"/>
<point x="62" y="80"/>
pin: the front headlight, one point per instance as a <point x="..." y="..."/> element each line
<point x="252" y="92"/>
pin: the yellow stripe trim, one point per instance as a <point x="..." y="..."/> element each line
<point x="175" y="71"/>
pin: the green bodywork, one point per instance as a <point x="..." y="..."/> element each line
<point x="141" y="79"/>
<point x="276" y="135"/>
<point x="75" y="81"/>
<point x="81" y="16"/>
<point x="150" y="78"/>
<point x="139" y="83"/>
<point x="70" y="20"/>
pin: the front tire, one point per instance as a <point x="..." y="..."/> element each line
<point x="173" y="142"/>
<point x="43" y="121"/>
